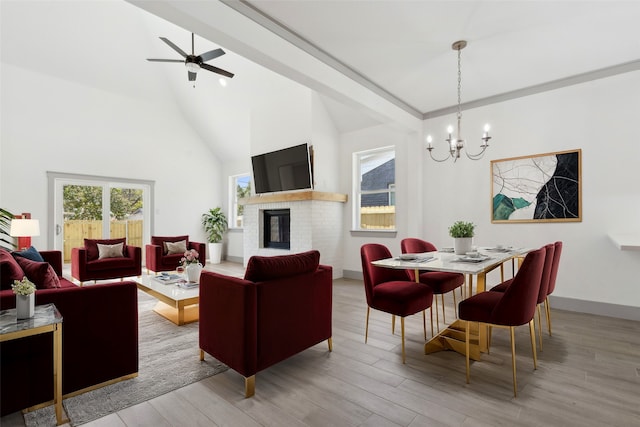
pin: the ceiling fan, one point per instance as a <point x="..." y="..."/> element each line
<point x="195" y="62"/>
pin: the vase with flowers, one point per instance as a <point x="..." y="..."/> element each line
<point x="25" y="297"/>
<point x="192" y="265"/>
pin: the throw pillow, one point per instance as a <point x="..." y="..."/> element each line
<point x="110" y="251"/>
<point x="176" y="247"/>
<point x="40" y="273"/>
<point x="30" y="253"/>
<point x="10" y="270"/>
<point x="91" y="245"/>
<point x="261" y="268"/>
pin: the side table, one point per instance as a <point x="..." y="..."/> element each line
<point x="47" y="318"/>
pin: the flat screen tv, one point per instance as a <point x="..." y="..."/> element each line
<point x="282" y="170"/>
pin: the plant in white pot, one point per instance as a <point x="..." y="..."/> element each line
<point x="462" y="233"/>
<point x="215" y="224"/>
<point x="25" y="297"/>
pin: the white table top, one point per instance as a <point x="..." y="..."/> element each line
<point x="449" y="262"/>
<point x="172" y="291"/>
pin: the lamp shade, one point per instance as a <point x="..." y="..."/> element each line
<point x="24" y="228"/>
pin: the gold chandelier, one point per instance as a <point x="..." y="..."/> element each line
<point x="457" y="144"/>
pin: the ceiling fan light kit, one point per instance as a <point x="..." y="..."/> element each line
<point x="457" y="144"/>
<point x="193" y="62"/>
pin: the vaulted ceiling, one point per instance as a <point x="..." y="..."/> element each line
<point x="398" y="50"/>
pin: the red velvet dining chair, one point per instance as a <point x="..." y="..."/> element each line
<point x="439" y="282"/>
<point x="392" y="291"/>
<point x="549" y="251"/>
<point x="513" y="307"/>
<point x="552" y="281"/>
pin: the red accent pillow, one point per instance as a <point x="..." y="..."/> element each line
<point x="9" y="270"/>
<point x="261" y="268"/>
<point x="40" y="273"/>
<point x="91" y="245"/>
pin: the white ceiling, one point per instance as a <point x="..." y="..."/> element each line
<point x="401" y="47"/>
<point x="404" y="47"/>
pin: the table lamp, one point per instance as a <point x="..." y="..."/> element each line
<point x="24" y="229"/>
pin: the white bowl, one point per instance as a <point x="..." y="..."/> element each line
<point x="473" y="254"/>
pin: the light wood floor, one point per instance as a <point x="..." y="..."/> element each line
<point x="588" y="375"/>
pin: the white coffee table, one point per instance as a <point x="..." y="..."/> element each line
<point x="177" y="304"/>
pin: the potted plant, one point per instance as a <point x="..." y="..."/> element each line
<point x="462" y="233"/>
<point x="215" y="224"/>
<point x="25" y="298"/>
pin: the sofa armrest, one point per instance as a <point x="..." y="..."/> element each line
<point x="54" y="258"/>
<point x="201" y="248"/>
<point x="153" y="256"/>
<point x="228" y="321"/>
<point x="78" y="263"/>
<point x="99" y="344"/>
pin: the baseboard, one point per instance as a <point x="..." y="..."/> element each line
<point x="238" y="259"/>
<point x="594" y="307"/>
<point x="352" y="274"/>
<point x="563" y="303"/>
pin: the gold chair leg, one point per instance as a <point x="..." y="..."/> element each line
<point x="548" y="308"/>
<point x="532" y="332"/>
<point x="455" y="304"/>
<point x="435" y="299"/>
<point x="424" y="323"/>
<point x="366" y="328"/>
<point x="444" y="320"/>
<point x="393" y="324"/>
<point x="466" y="347"/>
<point x="201" y="355"/>
<point x="431" y="314"/>
<point x="513" y="359"/>
<point x="330" y="343"/>
<point x="249" y="386"/>
<point x="539" y="326"/>
<point x="402" y="328"/>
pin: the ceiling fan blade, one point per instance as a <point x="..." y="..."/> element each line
<point x="192" y="76"/>
<point x="166" y="60"/>
<point x="212" y="54"/>
<point x="217" y="70"/>
<point x="173" y="46"/>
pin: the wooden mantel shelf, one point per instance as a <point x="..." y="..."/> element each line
<point x="296" y="196"/>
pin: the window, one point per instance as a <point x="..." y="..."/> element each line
<point x="239" y="187"/>
<point x="375" y="189"/>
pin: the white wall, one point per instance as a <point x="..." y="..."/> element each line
<point x="50" y="124"/>
<point x="408" y="214"/>
<point x="599" y="118"/>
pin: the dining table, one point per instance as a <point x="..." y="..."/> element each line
<point x="479" y="265"/>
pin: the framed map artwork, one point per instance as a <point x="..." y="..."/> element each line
<point x="539" y="188"/>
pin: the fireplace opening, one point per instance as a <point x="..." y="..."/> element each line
<point x="277" y="228"/>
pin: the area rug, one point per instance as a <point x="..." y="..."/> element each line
<point x="168" y="360"/>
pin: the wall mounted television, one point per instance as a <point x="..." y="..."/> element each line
<point x="283" y="170"/>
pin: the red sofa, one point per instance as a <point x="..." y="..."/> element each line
<point x="99" y="340"/>
<point x="281" y="307"/>
<point x="86" y="264"/>
<point x="158" y="259"/>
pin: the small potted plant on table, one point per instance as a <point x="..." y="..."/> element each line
<point x="462" y="233"/>
<point x="25" y="298"/>
<point x="215" y="224"/>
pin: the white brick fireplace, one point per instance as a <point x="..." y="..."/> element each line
<point x="316" y="223"/>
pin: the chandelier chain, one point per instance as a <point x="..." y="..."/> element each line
<point x="459" y="92"/>
<point x="455" y="142"/>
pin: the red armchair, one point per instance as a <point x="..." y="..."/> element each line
<point x="280" y="308"/>
<point x="159" y="257"/>
<point x="97" y="260"/>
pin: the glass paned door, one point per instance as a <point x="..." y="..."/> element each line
<point x="86" y="209"/>
<point x="82" y="213"/>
